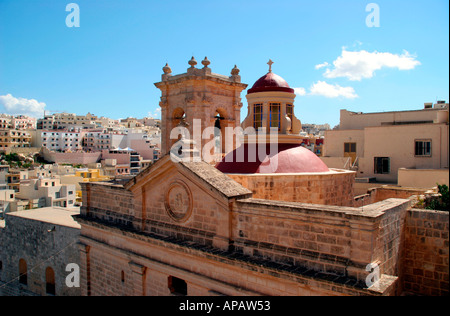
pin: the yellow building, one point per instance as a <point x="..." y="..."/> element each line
<point x="84" y="175"/>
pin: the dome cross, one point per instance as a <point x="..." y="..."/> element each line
<point x="270" y="63"/>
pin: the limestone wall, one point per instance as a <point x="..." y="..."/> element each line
<point x="329" y="188"/>
<point x="422" y="178"/>
<point x="108" y="202"/>
<point x="70" y="158"/>
<point x="41" y="245"/>
<point x="426" y="255"/>
<point x="339" y="241"/>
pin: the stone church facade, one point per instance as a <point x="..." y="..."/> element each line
<point x="183" y="227"/>
<point x="190" y="222"/>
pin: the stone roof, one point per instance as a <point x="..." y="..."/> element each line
<point x="205" y="172"/>
<point x="53" y="215"/>
<point x="221" y="182"/>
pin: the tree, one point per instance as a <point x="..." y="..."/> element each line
<point x="442" y="202"/>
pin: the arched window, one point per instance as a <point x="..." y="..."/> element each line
<point x="275" y="115"/>
<point x="23" y="278"/>
<point x="257" y="115"/>
<point x="50" y="281"/>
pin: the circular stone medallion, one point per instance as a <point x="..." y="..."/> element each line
<point x="178" y="201"/>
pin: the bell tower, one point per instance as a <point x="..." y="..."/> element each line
<point x="212" y="100"/>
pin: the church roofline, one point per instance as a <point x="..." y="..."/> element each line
<point x="220" y="182"/>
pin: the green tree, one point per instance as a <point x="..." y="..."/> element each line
<point x="441" y="203"/>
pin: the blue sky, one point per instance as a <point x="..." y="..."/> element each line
<point x="323" y="48"/>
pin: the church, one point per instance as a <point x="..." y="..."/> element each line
<point x="281" y="223"/>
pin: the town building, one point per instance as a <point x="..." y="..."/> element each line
<point x="46" y="192"/>
<point x="66" y="121"/>
<point x="23" y="122"/>
<point x="96" y="140"/>
<point x="382" y="145"/>
<point x="17" y="122"/>
<point x="5" y="121"/>
<point x="11" y="138"/>
<point x="60" y="140"/>
<point x="126" y="158"/>
<point x="139" y="141"/>
<point x="83" y="175"/>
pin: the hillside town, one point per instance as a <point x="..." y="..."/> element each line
<point x="61" y="150"/>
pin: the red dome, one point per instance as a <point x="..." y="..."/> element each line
<point x="290" y="158"/>
<point x="270" y="82"/>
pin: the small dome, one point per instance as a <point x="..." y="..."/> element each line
<point x="270" y="82"/>
<point x="290" y="158"/>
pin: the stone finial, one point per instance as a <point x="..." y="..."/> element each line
<point x="235" y="71"/>
<point x="287" y="124"/>
<point x="206" y="62"/>
<point x="167" y="70"/>
<point x="235" y="74"/>
<point x="192" y="62"/>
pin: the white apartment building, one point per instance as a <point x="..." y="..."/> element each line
<point x="63" y="141"/>
<point x="46" y="192"/>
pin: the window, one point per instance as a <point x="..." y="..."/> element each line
<point x="257" y="116"/>
<point x="50" y="281"/>
<point x="349" y="147"/>
<point x="177" y="286"/>
<point x="422" y="148"/>
<point x="275" y="114"/>
<point x="382" y="165"/>
<point x="23" y="272"/>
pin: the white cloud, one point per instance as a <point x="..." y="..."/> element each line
<point x="325" y="64"/>
<point x="23" y="106"/>
<point x="362" y="64"/>
<point x="332" y="90"/>
<point x="300" y="91"/>
<point x="156" y="114"/>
